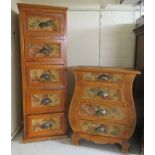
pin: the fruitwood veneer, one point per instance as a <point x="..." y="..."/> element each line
<point x="105" y="115"/>
<point x="43" y="59"/>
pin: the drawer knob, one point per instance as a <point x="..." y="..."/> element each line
<point x="46" y="76"/>
<point x="46" y="50"/>
<point x="46" y="125"/>
<point x="102" y="112"/>
<point x="100" y="129"/>
<point x="46" y="100"/>
<point x="103" y="77"/>
<point x="102" y="93"/>
<point x="45" y="24"/>
<point x="48" y="23"/>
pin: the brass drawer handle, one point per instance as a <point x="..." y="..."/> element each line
<point x="101" y="129"/>
<point x="46" y="76"/>
<point x="45" y="50"/>
<point x="46" y="24"/>
<point x="103" y="77"/>
<point x="102" y="112"/>
<point x="103" y="93"/>
<point x="46" y="125"/>
<point x="46" y="100"/>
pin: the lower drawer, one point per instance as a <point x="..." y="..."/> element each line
<point x="103" y="129"/>
<point x="101" y="112"/>
<point x="46" y="125"/>
<point x="45" y="101"/>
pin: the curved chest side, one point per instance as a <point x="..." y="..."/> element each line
<point x="73" y="110"/>
<point x="127" y="99"/>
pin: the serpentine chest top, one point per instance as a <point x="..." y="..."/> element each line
<point x="102" y="108"/>
<point x="43" y="59"/>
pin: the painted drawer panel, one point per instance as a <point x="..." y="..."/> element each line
<point x="46" y="125"/>
<point x="102" y="112"/>
<point x="102" y="129"/>
<point x="103" y="77"/>
<point x="46" y="23"/>
<point x="102" y="93"/>
<point x="45" y="75"/>
<point x="44" y="101"/>
<point x="42" y="75"/>
<point x="45" y="50"/>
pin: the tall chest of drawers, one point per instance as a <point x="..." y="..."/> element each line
<point x="102" y="108"/>
<point x="43" y="57"/>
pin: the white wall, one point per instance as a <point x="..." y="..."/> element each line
<point x="67" y="3"/>
<point x="16" y="94"/>
<point x="75" y="3"/>
<point x="83" y="38"/>
<point x="117" y="39"/>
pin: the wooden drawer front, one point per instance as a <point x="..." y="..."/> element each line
<point x="104" y="77"/>
<point x="46" y="125"/>
<point x="52" y="23"/>
<point x="96" y="112"/>
<point x="44" y="101"/>
<point x="103" y="129"/>
<point x="45" y="50"/>
<point x="102" y="93"/>
<point x="45" y="75"/>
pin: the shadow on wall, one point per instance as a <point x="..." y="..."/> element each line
<point x="70" y="90"/>
<point x="16" y="91"/>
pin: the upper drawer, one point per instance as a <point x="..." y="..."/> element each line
<point x="46" y="75"/>
<point x="103" y="77"/>
<point x="45" y="50"/>
<point x="41" y="23"/>
<point x="102" y="94"/>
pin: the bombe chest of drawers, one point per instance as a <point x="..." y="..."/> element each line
<point x="102" y="108"/>
<point x="43" y="60"/>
